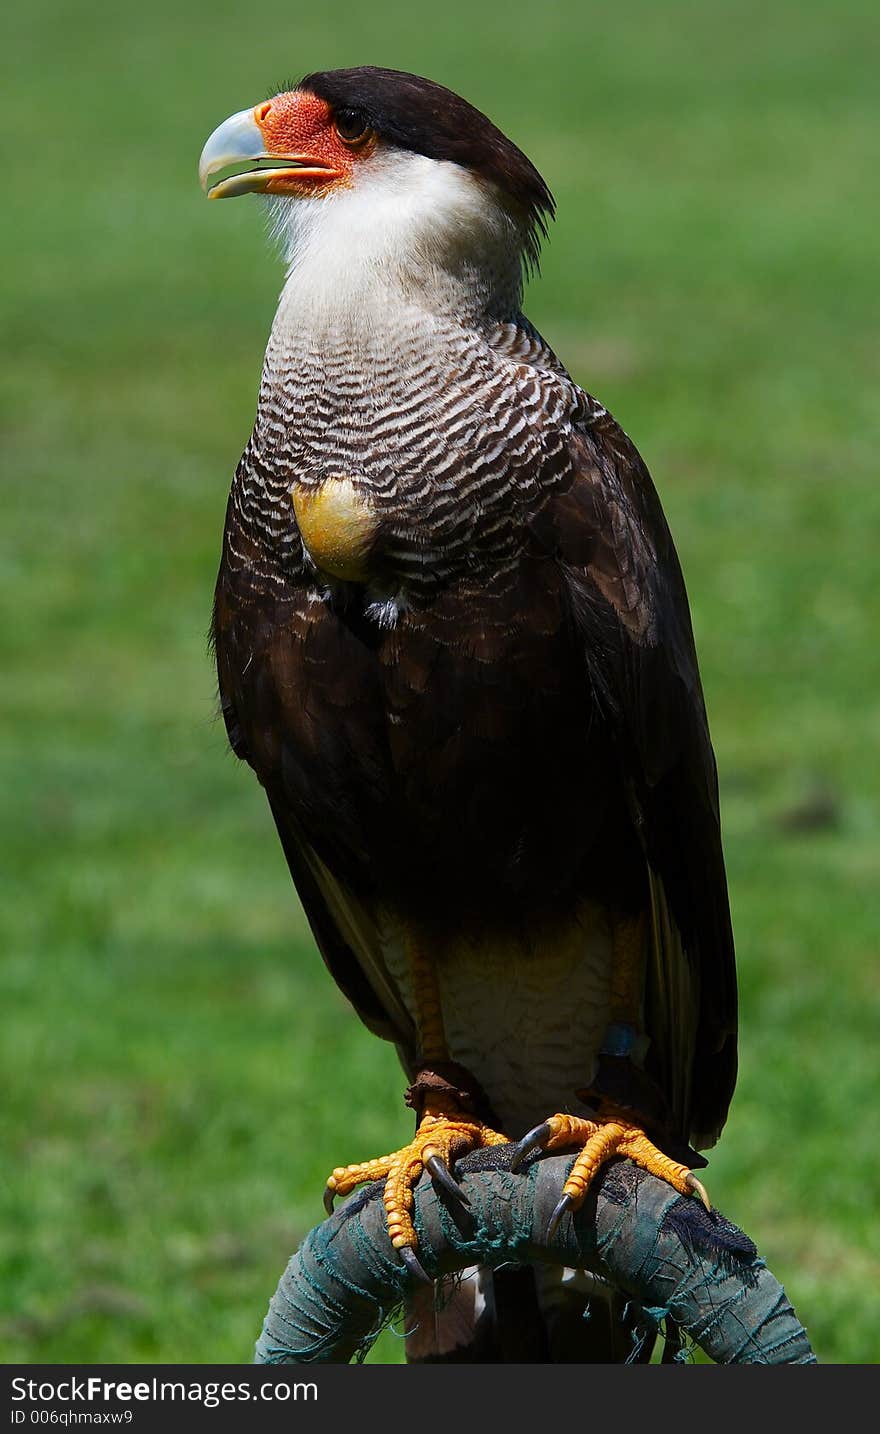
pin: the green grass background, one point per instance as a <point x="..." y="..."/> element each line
<point x="178" y="1071"/>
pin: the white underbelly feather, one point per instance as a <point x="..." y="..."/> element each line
<point x="526" y="1017"/>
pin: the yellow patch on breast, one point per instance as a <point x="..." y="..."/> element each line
<point x="338" y="526"/>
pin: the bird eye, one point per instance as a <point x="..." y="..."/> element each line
<point x="351" y="126"/>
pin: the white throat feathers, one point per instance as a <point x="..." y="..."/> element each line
<point x="412" y="233"/>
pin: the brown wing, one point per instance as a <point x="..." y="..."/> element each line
<point x="269" y="664"/>
<point x="629" y="605"/>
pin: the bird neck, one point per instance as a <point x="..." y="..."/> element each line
<point x="442" y="244"/>
<point x="380" y="327"/>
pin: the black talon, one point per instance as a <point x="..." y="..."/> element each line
<point x="329" y="1196"/>
<point x="565" y="1204"/>
<point x="533" y="1141"/>
<point x="439" y="1171"/>
<point x="408" y="1255"/>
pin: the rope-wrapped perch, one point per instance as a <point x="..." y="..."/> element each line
<point x="657" y="1247"/>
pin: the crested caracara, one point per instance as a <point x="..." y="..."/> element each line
<point x="453" y="642"/>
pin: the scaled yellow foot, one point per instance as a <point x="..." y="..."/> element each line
<point x="444" y="1134"/>
<point x="600" y="1141"/>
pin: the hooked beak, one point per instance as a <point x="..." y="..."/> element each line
<point x="240" y="140"/>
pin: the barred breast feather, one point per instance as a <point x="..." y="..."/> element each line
<point x="470" y="690"/>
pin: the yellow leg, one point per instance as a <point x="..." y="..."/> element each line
<point x="447" y="1128"/>
<point x="428" y="1006"/>
<point x="627" y="970"/>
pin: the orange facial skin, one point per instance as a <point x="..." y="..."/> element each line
<point x="299" y="126"/>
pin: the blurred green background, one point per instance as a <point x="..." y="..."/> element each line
<point x="179" y="1073"/>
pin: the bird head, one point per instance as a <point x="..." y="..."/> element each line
<point x="396" y="172"/>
